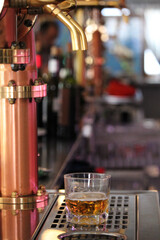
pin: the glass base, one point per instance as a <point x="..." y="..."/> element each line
<point x="87" y="220"/>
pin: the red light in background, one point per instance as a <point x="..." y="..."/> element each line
<point x="38" y="61"/>
<point x="100" y="170"/>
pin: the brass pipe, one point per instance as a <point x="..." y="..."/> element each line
<point x="55" y="11"/>
<point x="83" y="40"/>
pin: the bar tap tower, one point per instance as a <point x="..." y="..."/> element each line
<point x="20" y="90"/>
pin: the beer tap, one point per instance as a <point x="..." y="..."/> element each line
<point x="20" y="90"/>
<point x="55" y="11"/>
<point x="58" y="9"/>
<point x="20" y="196"/>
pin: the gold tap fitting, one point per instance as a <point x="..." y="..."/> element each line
<point x="77" y="35"/>
<point x="83" y="39"/>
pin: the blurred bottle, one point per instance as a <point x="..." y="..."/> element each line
<point x="53" y="104"/>
<point x="67" y="96"/>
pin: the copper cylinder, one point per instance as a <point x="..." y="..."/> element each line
<point x="18" y="131"/>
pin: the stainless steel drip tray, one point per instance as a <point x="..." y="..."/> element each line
<point x="132" y="216"/>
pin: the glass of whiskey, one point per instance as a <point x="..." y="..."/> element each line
<point x="87" y="198"/>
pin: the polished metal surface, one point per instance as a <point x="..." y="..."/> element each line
<point x="18" y="134"/>
<point x="91" y="236"/>
<point x="83" y="40"/>
<point x="135" y="215"/>
<point x="8" y="34"/>
<point x="22" y="201"/>
<point x="25" y="24"/>
<point x="149" y="217"/>
<point x="15" y="56"/>
<point x="18" y="125"/>
<point x="60" y="11"/>
<point x="55" y="11"/>
<point x="17" y="222"/>
<point x="118" y="214"/>
<point x="23" y="91"/>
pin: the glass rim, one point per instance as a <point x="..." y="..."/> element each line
<point x="103" y="176"/>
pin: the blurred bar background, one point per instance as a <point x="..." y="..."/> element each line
<point x="102" y="109"/>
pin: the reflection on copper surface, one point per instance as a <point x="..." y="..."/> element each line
<point x="15" y="224"/>
<point x="19" y="222"/>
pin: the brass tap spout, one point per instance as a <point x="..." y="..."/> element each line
<point x="83" y="40"/>
<point x="55" y="11"/>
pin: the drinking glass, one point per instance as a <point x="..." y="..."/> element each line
<point x="87" y="198"/>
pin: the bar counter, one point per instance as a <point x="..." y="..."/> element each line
<point x="133" y="214"/>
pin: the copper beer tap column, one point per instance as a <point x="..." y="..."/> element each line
<point x="18" y="125"/>
<point x="18" y="133"/>
<point x="19" y="91"/>
<point x="18" y="136"/>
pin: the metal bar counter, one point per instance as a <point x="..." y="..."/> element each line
<point x="132" y="216"/>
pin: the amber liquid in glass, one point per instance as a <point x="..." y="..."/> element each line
<point x="87" y="203"/>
